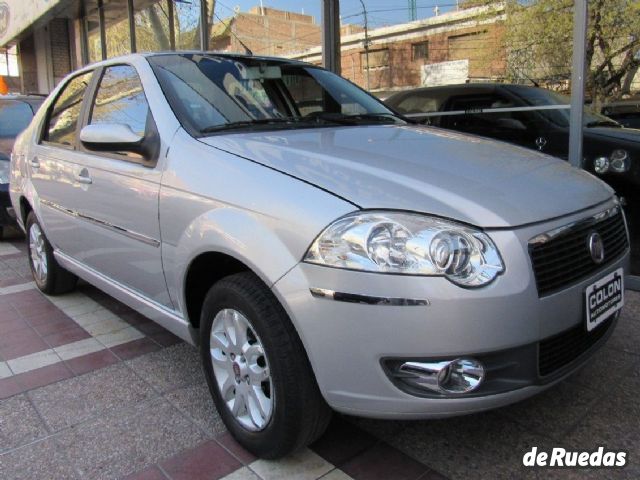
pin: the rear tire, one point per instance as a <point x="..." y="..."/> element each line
<point x="255" y="349"/>
<point x="48" y="275"/>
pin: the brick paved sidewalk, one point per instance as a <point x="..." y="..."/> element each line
<point x="90" y="389"/>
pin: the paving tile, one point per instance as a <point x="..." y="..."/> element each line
<point x="94" y="318"/>
<point x="19" y="424"/>
<point x="119" y="337"/>
<point x="336" y="474"/>
<point x="23" y="334"/>
<point x="92" y="361"/>
<point x="555" y="411"/>
<point x="9" y="387"/>
<point x="43" y="460"/>
<point x="136" y="348"/>
<point x="77" y="399"/>
<point x="78" y="349"/>
<point x="479" y="446"/>
<point x="342" y="441"/>
<point x="381" y="462"/>
<point x="170" y="368"/>
<point x="5" y="371"/>
<point x="66" y="336"/>
<point x="242" y="474"/>
<point x="11" y="324"/>
<point x="128" y="440"/>
<point x="106" y="325"/>
<point x="605" y="368"/>
<point x="237" y="450"/>
<point x="43" y="376"/>
<point x="23" y="348"/>
<point x="196" y="402"/>
<point x="32" y="361"/>
<point x="302" y="465"/>
<point x="52" y="323"/>
<point x="17" y="288"/>
<point x="150" y="473"/>
<point x="208" y="461"/>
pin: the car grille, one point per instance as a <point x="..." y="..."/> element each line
<point x="561" y="257"/>
<point x="560" y="350"/>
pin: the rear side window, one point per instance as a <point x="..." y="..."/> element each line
<point x="65" y="111"/>
<point x="14" y="117"/>
<point x="120" y="99"/>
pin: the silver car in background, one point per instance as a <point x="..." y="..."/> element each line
<point x="324" y="253"/>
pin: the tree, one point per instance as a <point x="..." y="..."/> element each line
<point x="539" y="43"/>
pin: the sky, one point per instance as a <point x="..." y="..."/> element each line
<point x="381" y="12"/>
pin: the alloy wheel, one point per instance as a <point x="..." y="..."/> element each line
<point x="241" y="369"/>
<point x="38" y="253"/>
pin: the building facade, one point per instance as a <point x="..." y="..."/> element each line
<point x="456" y="47"/>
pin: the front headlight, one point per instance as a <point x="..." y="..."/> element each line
<point x="409" y="244"/>
<point x="4" y="171"/>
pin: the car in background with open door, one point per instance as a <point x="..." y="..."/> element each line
<point x="535" y="118"/>
<point x="16" y="112"/>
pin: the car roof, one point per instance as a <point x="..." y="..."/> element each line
<point x="33" y="100"/>
<point x="233" y="56"/>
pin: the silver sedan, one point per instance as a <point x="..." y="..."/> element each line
<point x="324" y="253"/>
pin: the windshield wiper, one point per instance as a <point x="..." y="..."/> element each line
<point x="248" y="123"/>
<point x="352" y="119"/>
<point x="603" y="123"/>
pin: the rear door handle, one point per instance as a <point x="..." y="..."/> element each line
<point x="83" y="177"/>
<point x="35" y="163"/>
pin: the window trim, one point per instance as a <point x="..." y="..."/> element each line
<point x="88" y="110"/>
<point x="44" y="126"/>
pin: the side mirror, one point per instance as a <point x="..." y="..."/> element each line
<point x="112" y="137"/>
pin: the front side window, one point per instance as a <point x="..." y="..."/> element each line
<point x="210" y="93"/>
<point x="65" y="111"/>
<point x="120" y="99"/>
<point x="15" y="116"/>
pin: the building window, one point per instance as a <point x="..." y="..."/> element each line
<point x="9" y="62"/>
<point x="420" y="51"/>
<point x="377" y="59"/>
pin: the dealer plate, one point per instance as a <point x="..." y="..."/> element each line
<point x="604" y="298"/>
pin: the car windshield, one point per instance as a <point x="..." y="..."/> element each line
<point x="15" y="116"/>
<point x="540" y="97"/>
<point x="211" y="93"/>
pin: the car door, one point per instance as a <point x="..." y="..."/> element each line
<point x="52" y="161"/>
<point x="116" y="194"/>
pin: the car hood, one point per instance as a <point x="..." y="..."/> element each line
<point x="628" y="134"/>
<point x="429" y="170"/>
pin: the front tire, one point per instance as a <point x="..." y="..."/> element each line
<point x="48" y="275"/>
<point x="257" y="370"/>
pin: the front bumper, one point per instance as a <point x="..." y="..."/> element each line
<point x="348" y="343"/>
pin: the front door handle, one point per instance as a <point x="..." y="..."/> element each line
<point x="35" y="163"/>
<point x="83" y="177"/>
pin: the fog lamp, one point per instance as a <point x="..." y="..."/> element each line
<point x="462" y="375"/>
<point x="601" y="165"/>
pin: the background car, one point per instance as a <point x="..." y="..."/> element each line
<point x="625" y="112"/>
<point x="16" y="113"/>
<point x="525" y="116"/>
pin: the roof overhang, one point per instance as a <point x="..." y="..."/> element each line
<point x="18" y="18"/>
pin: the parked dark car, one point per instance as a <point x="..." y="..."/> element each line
<point x="526" y="116"/>
<point x="16" y="113"/>
<point x="625" y="112"/>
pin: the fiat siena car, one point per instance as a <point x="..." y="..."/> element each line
<point x="324" y="253"/>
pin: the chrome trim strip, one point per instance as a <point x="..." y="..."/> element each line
<point x="551" y="234"/>
<point x="367" y="299"/>
<point x="101" y="223"/>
